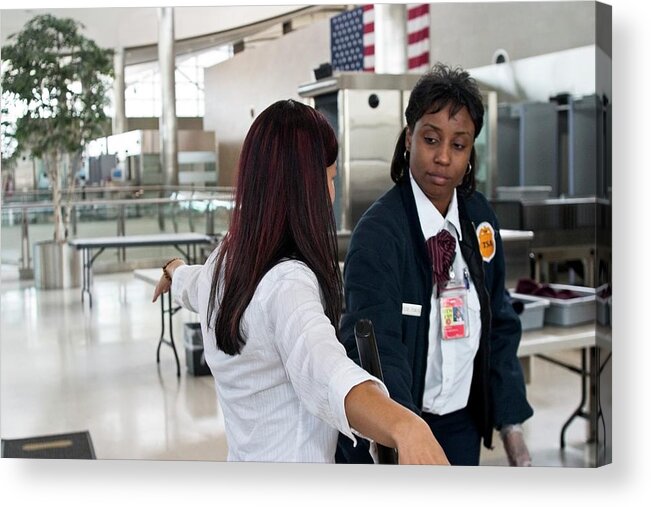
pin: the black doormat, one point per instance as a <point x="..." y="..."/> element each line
<point x="63" y="446"/>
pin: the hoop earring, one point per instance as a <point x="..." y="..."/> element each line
<point x="469" y="168"/>
<point x="406" y="156"/>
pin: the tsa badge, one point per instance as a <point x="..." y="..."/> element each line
<point x="486" y="238"/>
<point x="453" y="309"/>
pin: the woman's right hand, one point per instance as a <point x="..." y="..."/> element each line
<point x="372" y="413"/>
<point x="416" y="445"/>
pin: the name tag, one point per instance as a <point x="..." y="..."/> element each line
<point x="411" y="309"/>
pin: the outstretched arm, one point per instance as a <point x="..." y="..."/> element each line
<point x="372" y="413"/>
<point x="328" y="383"/>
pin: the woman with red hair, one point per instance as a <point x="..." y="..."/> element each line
<point x="269" y="299"/>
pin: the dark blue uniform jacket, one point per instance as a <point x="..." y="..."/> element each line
<point x="387" y="265"/>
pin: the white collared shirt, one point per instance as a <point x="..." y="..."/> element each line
<point x="283" y="395"/>
<point x="449" y="362"/>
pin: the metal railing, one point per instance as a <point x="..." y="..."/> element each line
<point x="210" y="205"/>
<point x="110" y="192"/>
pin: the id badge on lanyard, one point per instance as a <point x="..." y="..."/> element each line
<point x="453" y="307"/>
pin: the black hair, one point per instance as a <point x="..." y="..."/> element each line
<point x="442" y="86"/>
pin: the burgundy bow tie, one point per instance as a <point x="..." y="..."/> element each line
<point x="441" y="252"/>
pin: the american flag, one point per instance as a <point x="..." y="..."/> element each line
<point x="418" y="37"/>
<point x="352" y="40"/>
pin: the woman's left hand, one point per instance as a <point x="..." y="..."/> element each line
<point x="165" y="282"/>
<point x="162" y="287"/>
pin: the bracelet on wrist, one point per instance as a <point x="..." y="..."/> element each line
<point x="165" y="273"/>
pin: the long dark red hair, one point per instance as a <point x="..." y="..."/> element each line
<point x="282" y="210"/>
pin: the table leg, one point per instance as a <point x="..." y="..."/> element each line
<point x="162" y="327"/>
<point x="83" y="275"/>
<point x="170" y="315"/>
<point x="586" y="375"/>
<point x="85" y="285"/>
<point x="87" y="273"/>
<point x="88" y="279"/>
<point x="579" y="412"/>
<point x="602" y="443"/>
<point x="593" y="379"/>
<point x="170" y="312"/>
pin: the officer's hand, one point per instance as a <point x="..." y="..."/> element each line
<point x="515" y="446"/>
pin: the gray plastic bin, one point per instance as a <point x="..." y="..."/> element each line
<point x="533" y="315"/>
<point x="195" y="360"/>
<point x="570" y="312"/>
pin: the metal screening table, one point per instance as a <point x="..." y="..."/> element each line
<point x="151" y="276"/>
<point x="540" y="342"/>
<point x="86" y="245"/>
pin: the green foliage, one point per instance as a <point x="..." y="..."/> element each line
<point x="8" y="147"/>
<point x="59" y="79"/>
<point x="62" y="78"/>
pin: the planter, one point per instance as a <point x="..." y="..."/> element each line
<point x="56" y="266"/>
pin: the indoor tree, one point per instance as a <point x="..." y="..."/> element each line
<point x="59" y="81"/>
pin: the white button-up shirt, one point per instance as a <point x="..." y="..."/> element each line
<point x="283" y="395"/>
<point x="449" y="362"/>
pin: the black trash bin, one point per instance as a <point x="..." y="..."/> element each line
<point x="195" y="361"/>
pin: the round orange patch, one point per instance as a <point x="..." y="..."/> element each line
<point x="486" y="237"/>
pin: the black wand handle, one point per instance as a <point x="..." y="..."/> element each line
<point x="370" y="360"/>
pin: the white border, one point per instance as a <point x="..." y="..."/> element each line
<point x="626" y="482"/>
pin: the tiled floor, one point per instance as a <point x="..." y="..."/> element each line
<point x="67" y="368"/>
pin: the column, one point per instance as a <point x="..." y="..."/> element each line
<point x="390" y="38"/>
<point x="167" y="123"/>
<point x="119" y="116"/>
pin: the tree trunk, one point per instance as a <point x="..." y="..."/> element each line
<point x="53" y="170"/>
<point x="73" y="163"/>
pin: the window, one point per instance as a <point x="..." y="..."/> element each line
<point x="143" y="84"/>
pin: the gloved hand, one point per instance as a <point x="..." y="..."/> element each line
<point x="515" y="446"/>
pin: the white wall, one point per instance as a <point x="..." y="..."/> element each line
<point x="254" y="79"/>
<point x="467" y="34"/>
<point x="578" y="71"/>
